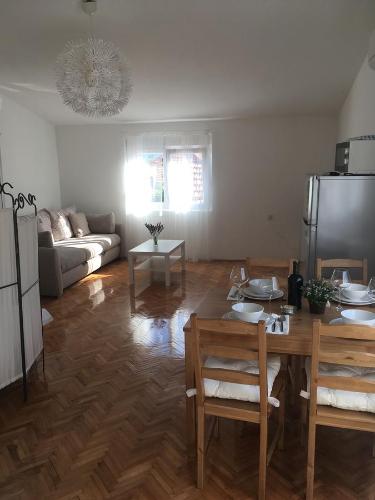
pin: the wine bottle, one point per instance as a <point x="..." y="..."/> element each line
<point x="295" y="283"/>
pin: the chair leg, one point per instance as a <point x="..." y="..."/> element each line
<point x="217" y="427"/>
<point x="262" y="459"/>
<point x="303" y="421"/>
<point x="311" y="459"/>
<point x="281" y="419"/>
<point x="200" y="446"/>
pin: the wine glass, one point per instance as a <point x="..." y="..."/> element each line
<point x="371" y="288"/>
<point x="340" y="280"/>
<point x="271" y="286"/>
<point x="239" y="276"/>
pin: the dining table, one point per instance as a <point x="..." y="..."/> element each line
<point x="297" y="342"/>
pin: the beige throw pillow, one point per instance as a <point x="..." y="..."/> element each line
<point x="79" y="224"/>
<point x="44" y="221"/>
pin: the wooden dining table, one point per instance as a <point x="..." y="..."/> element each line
<point x="297" y="342"/>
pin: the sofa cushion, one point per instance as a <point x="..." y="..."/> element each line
<point x="101" y="224"/>
<point x="61" y="228"/>
<point x="70" y="257"/>
<point x="75" y="251"/>
<point x="79" y="224"/>
<point x="44" y="221"/>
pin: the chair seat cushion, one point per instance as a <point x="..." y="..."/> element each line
<point x="241" y="392"/>
<point x="346" y="400"/>
<point x="76" y="251"/>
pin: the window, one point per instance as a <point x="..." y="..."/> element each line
<point x="168" y="172"/>
<point x="155" y="161"/>
<point x="177" y="177"/>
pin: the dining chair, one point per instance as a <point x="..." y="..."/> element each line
<point x="360" y="264"/>
<point x="215" y="340"/>
<point x="353" y="356"/>
<point x="281" y="267"/>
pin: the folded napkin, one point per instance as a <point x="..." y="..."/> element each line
<point x="269" y="324"/>
<point x="277" y="327"/>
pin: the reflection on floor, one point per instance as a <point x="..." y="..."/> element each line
<point x="107" y="421"/>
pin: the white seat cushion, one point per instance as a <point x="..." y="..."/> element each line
<point x="346" y="400"/>
<point x="242" y="392"/>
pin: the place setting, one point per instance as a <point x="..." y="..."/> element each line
<point x="354" y="294"/>
<point x="259" y="289"/>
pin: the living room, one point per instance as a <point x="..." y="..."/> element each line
<point x="224" y="136"/>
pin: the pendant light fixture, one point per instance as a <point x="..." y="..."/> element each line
<point x="92" y="76"/>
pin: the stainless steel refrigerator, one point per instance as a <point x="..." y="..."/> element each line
<point x="338" y="220"/>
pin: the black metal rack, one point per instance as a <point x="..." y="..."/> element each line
<point x="18" y="203"/>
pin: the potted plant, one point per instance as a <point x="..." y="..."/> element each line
<point x="155" y="230"/>
<point x="318" y="292"/>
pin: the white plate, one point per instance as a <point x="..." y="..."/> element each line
<point x="365" y="302"/>
<point x="265" y="317"/>
<point x="336" y="321"/>
<point x="339" y="321"/>
<point x="275" y="295"/>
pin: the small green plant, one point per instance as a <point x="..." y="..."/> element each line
<point x="318" y="291"/>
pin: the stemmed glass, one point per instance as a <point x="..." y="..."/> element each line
<point x="271" y="287"/>
<point x="340" y="280"/>
<point x="239" y="277"/>
<point x="371" y="288"/>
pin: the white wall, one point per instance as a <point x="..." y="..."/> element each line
<point x="259" y="167"/>
<point x="357" y="116"/>
<point x="29" y="153"/>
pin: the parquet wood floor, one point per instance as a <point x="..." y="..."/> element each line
<point x="107" y="421"/>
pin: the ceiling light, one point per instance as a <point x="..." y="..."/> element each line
<point x="92" y="76"/>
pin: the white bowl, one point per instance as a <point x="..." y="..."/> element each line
<point x="355" y="292"/>
<point x="247" y="311"/>
<point x="358" y="317"/>
<point x="258" y="286"/>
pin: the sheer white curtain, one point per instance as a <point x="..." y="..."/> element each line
<point x="168" y="179"/>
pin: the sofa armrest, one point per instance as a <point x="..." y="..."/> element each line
<point x="50" y="276"/>
<point x="45" y="239"/>
<point x="120" y="230"/>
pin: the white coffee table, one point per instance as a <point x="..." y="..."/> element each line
<point x="161" y="254"/>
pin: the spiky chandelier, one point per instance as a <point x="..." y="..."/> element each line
<point x="92" y="76"/>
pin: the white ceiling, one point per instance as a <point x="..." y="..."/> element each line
<point x="194" y="59"/>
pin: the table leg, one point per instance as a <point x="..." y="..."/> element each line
<point x="190" y="402"/>
<point x="131" y="260"/>
<point x="183" y="257"/>
<point x="167" y="271"/>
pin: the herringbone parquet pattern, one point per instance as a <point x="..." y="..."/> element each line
<point x="108" y="419"/>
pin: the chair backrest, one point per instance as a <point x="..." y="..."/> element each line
<point x="353" y="355"/>
<point x="229" y="339"/>
<point x="360" y="264"/>
<point x="281" y="268"/>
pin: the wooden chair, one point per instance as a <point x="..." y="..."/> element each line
<point x="356" y="355"/>
<point x="208" y="341"/>
<point x="342" y="263"/>
<point x="281" y="267"/>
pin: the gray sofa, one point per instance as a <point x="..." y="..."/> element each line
<point x="63" y="262"/>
